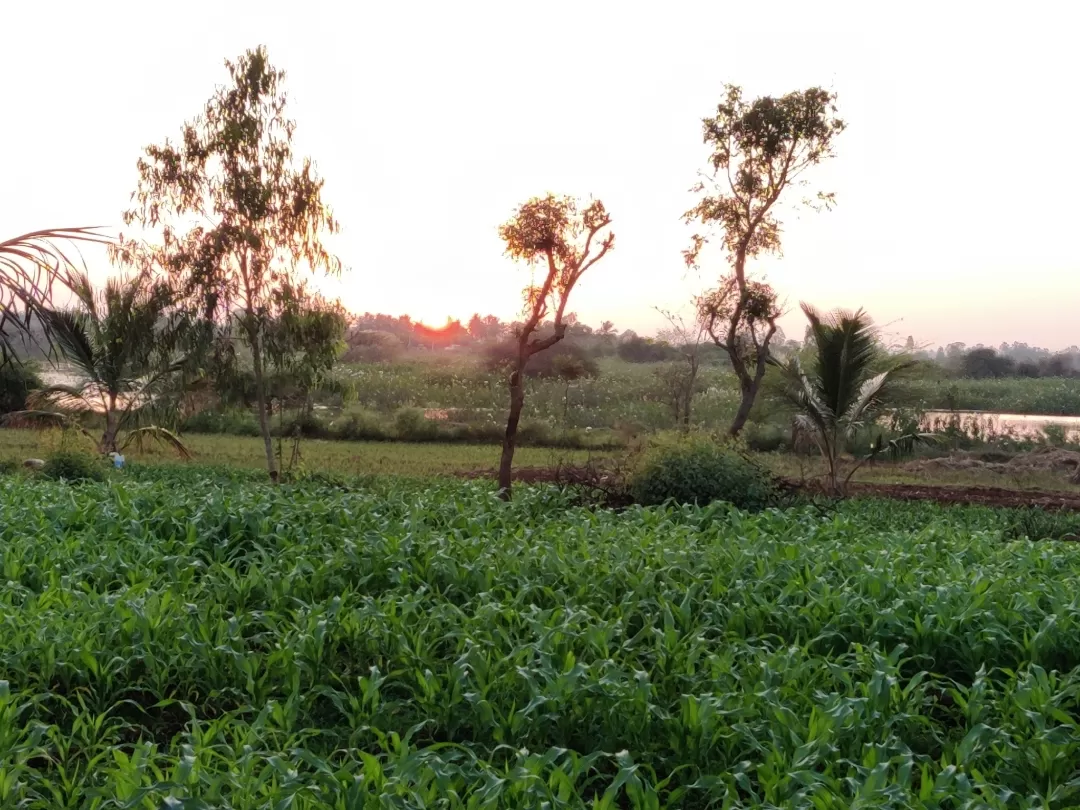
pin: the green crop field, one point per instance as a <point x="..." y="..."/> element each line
<point x="175" y="638"/>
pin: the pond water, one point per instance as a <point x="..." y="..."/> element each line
<point x="1018" y="425"/>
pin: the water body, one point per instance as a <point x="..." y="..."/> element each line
<point x="1019" y="425"/>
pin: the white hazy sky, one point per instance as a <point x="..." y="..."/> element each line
<point x="956" y="180"/>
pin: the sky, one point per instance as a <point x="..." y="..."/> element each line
<point x="956" y="179"/>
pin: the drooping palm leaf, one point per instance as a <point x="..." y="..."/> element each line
<point x="71" y="330"/>
<point x="68" y="398"/>
<point x="870" y="393"/>
<point x="896" y="448"/>
<point x="31" y="265"/>
<point x="161" y="435"/>
<point x="902" y="446"/>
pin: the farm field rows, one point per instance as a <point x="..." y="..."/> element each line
<point x="184" y="639"/>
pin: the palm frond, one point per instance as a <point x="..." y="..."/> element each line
<point x="902" y="446"/>
<point x="71" y="331"/>
<point x="846" y="348"/>
<point x="806" y="426"/>
<point x="31" y="265"/>
<point x="870" y="393"/>
<point x="65" y="397"/>
<point x="805" y="394"/>
<point x="139" y="436"/>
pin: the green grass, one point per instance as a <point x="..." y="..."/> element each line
<point x="353" y="458"/>
<point x="809" y="468"/>
<point x="174" y="638"/>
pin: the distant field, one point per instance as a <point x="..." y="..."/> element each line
<point x="360" y="458"/>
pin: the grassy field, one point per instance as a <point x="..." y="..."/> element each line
<point x="355" y="458"/>
<point x="179" y="640"/>
<point x="423" y="460"/>
<point x="804" y="469"/>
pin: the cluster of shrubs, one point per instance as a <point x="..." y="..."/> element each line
<point x="407" y="425"/>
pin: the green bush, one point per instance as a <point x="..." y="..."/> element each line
<point x="364" y="426"/>
<point x="411" y="425"/>
<point x="768" y="438"/>
<point x="306" y="425"/>
<point x="8" y="467"/>
<point x="68" y="465"/>
<point x="16" y="381"/>
<point x="698" y="470"/>
<point x="234" y="422"/>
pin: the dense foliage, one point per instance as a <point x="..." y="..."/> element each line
<point x="699" y="470"/>
<point x="177" y="639"/>
<point x="73" y="467"/>
<point x="17" y="380"/>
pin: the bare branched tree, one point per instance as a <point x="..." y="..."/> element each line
<point x="679" y="379"/>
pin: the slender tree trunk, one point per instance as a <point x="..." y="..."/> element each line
<point x="746" y="403"/>
<point x="112" y="427"/>
<point x="260" y="404"/>
<point x="517" y="402"/>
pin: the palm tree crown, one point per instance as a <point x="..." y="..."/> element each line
<point x="114" y="341"/>
<point x="845" y="389"/>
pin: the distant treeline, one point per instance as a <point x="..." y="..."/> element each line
<point x="1008" y="360"/>
<point x="375" y="337"/>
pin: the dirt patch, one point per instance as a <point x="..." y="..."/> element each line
<point x="1042" y="460"/>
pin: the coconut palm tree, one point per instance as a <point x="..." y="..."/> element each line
<point x="849" y="381"/>
<point x="121" y="355"/>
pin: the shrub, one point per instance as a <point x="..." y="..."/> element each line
<point x="306" y="425"/>
<point x="644" y="350"/>
<point x="766" y="438"/>
<point x="8" y="467"/>
<point x="16" y="381"/>
<point x="68" y="465"/>
<point x="361" y="427"/>
<point x="372" y="346"/>
<point x="548" y="364"/>
<point x="410" y="424"/>
<point x="698" y="470"/>
<point x="233" y="422"/>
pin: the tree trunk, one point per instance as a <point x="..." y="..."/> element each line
<point x="112" y="427"/>
<point x="517" y="402"/>
<point x="260" y="404"/>
<point x="749" y="385"/>
<point x="746" y="403"/>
